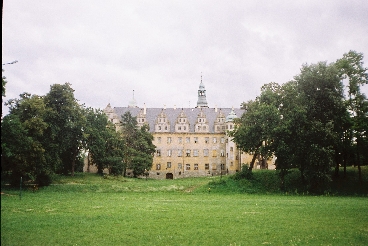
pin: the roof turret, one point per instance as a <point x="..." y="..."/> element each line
<point x="231" y="116"/>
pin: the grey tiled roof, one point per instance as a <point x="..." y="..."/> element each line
<point x="172" y="114"/>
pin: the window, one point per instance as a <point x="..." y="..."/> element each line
<point x="222" y="140"/>
<point x="158" y="166"/>
<point x="231" y="149"/>
<point x="179" y="128"/>
<point x="222" y="166"/>
<point x="206" y="140"/>
<point x="231" y="164"/>
<point x="169" y="152"/>
<point x="158" y="139"/>
<point x="168" y="140"/>
<point x="206" y="166"/>
<point x="204" y="128"/>
<point x="195" y="166"/>
<point x="214" y="140"/>
<point x="187" y="166"/>
<point x="180" y="140"/>
<point x="195" y="152"/>
<point x="168" y="165"/>
<point x="199" y="128"/>
<point x="188" y="152"/>
<point x="179" y="166"/>
<point x="185" y="128"/>
<point x="159" y="128"/>
<point x="205" y="152"/>
<point x="180" y="152"/>
<point x="214" y="153"/>
<point x="195" y="140"/>
<point x="187" y="140"/>
<point x="165" y="128"/>
<point x="222" y="153"/>
<point x="158" y="152"/>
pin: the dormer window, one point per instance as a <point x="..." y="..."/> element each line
<point x="182" y="125"/>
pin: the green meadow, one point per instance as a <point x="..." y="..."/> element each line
<point x="91" y="210"/>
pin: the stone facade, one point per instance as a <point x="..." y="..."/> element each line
<point x="189" y="142"/>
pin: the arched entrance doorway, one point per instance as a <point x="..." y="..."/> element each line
<point x="169" y="176"/>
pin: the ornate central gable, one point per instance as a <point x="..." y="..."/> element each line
<point x="141" y="118"/>
<point x="182" y="123"/>
<point x="219" y="124"/>
<point x="162" y="123"/>
<point x="201" y="123"/>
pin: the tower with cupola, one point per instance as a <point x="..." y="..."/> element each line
<point x="202" y="100"/>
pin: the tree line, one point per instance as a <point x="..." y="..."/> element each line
<point x="309" y="123"/>
<point x="53" y="134"/>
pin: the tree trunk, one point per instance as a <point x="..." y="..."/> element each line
<point x="345" y="157"/>
<point x="253" y="160"/>
<point x="88" y="164"/>
<point x="337" y="166"/>
<point x="302" y="175"/>
<point x="73" y="161"/>
<point x="358" y="161"/>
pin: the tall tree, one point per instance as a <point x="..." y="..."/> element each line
<point x="66" y="121"/>
<point x="351" y="68"/>
<point x="321" y="93"/>
<point x="138" y="149"/>
<point x="289" y="134"/>
<point x="254" y="130"/>
<point x="104" y="144"/>
<point x="144" y="150"/>
<point x="23" y="129"/>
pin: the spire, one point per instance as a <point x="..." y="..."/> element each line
<point x="202" y="101"/>
<point x="133" y="102"/>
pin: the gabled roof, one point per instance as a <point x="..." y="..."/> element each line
<point x="173" y="113"/>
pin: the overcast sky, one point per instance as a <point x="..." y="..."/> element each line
<point x="159" y="49"/>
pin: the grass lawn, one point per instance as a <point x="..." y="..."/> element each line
<point x="90" y="210"/>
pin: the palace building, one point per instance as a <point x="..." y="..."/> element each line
<point x="189" y="142"/>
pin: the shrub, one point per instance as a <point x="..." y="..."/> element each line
<point x="245" y="173"/>
<point x="44" y="178"/>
